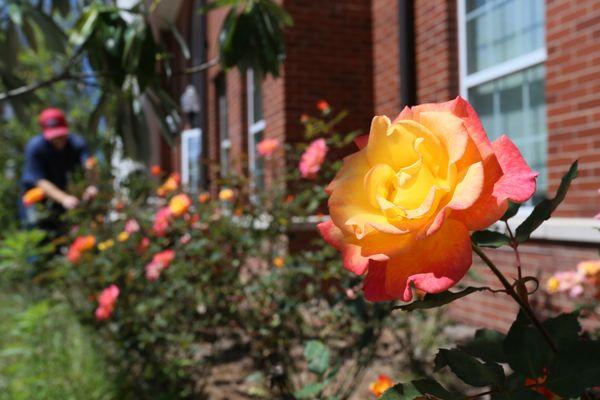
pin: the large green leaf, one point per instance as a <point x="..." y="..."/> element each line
<point x="576" y="369"/>
<point x="486" y="345"/>
<point x="317" y="356"/>
<point x="469" y="369"/>
<point x="526" y="349"/>
<point x="544" y="210"/>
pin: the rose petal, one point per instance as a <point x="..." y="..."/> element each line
<point x="518" y="180"/>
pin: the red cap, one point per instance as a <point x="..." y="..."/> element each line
<point x="53" y="123"/>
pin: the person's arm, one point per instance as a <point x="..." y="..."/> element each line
<point x="61" y="197"/>
<point x="90" y="170"/>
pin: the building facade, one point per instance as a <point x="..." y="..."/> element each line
<point x="531" y="69"/>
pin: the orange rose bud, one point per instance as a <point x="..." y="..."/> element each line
<point x="203" y="197"/>
<point x="33" y="196"/>
<point x="382" y="384"/>
<point x="91" y="162"/>
<point x="155" y="170"/>
<point x="279" y="262"/>
<point x="323" y="106"/>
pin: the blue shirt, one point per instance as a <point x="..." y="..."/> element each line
<point x="44" y="161"/>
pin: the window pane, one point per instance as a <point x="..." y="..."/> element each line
<point x="258" y="170"/>
<point x="223" y="128"/>
<point x="500" y="30"/>
<point x="257" y="97"/>
<point x="515" y="105"/>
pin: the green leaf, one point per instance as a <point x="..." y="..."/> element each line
<point x="526" y="349"/>
<point x="490" y="239"/>
<point x="400" y="392"/>
<point x="310" y="391"/>
<point x="486" y="345"/>
<point x="577" y="368"/>
<point x="512" y="210"/>
<point x="54" y="37"/>
<point x="469" y="369"/>
<point x="15" y="14"/>
<point x="438" y="299"/>
<point x="544" y="210"/>
<point x="317" y="356"/>
<point x="180" y="40"/>
<point x="84" y="27"/>
<point x="429" y="386"/>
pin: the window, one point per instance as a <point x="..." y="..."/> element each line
<point x="191" y="149"/>
<point x="224" y="141"/>
<point x="502" y="54"/>
<point x="256" y="128"/>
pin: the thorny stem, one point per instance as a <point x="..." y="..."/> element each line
<point x="514" y="244"/>
<point x="512" y="293"/>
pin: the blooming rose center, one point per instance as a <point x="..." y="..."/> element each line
<point x="414" y="177"/>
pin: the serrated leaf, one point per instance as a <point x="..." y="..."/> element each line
<point x="490" y="239"/>
<point x="438" y="299"/>
<point x="576" y="369"/>
<point x="429" y="386"/>
<point x="317" y="356"/>
<point x="526" y="349"/>
<point x="469" y="369"/>
<point x="544" y="210"/>
<point x="400" y="392"/>
<point x="486" y="345"/>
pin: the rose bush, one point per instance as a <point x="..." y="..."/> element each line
<point x="402" y="207"/>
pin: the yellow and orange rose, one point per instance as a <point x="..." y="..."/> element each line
<point x="402" y="206"/>
<point x="179" y="204"/>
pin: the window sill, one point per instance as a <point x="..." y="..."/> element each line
<point x="576" y="230"/>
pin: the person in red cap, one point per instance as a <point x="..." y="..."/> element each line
<point x="49" y="158"/>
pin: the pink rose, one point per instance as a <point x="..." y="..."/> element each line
<point x="132" y="226"/>
<point x="161" y="221"/>
<point x="106" y="302"/>
<point x="153" y="271"/>
<point x="313" y="157"/>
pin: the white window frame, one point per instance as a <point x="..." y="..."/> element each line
<point x="467" y="80"/>
<point x="224" y="143"/>
<point x="254" y="127"/>
<point x="185" y="160"/>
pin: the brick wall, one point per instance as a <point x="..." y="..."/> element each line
<point x="329" y="57"/>
<point x="386" y="73"/>
<point x="436" y="50"/>
<point x="572" y="87"/>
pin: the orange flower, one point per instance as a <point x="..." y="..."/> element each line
<point x="537" y="385"/>
<point x="80" y="245"/>
<point x="382" y="384"/>
<point x="267" y="147"/>
<point x="170" y="185"/>
<point x="179" y="204"/>
<point x="91" y="162"/>
<point x="123" y="236"/>
<point x="323" y="106"/>
<point x="402" y="206"/>
<point x="155" y="170"/>
<point x="238" y="212"/>
<point x="279" y="262"/>
<point x="33" y="196"/>
<point x="226" y="195"/>
<point x="204" y="197"/>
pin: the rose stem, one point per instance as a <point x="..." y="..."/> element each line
<point x="511" y="291"/>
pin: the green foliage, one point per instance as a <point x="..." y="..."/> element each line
<point x="252" y="35"/>
<point x="45" y="354"/>
<point x="317" y="356"/>
<point x="544" y="209"/>
<point x="19" y="248"/>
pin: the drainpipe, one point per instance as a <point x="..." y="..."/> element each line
<point x="406" y="47"/>
<point x="199" y="81"/>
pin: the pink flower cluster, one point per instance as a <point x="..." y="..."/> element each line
<point x="106" y="302"/>
<point x="159" y="262"/>
<point x="267" y="147"/>
<point x="312" y="159"/>
<point x="573" y="282"/>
